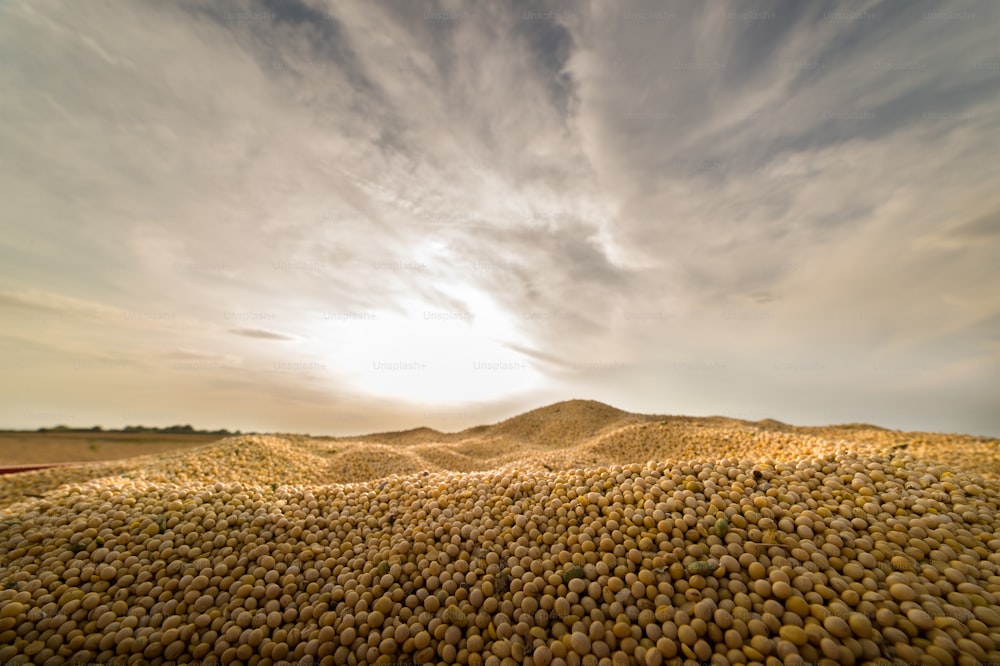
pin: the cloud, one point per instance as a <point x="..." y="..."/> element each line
<point x="983" y="228"/>
<point x="601" y="191"/>
<point x="50" y="303"/>
<point x="260" y="334"/>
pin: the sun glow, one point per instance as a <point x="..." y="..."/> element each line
<point x="430" y="355"/>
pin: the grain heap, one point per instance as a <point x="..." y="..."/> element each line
<point x="266" y="459"/>
<point x="828" y="556"/>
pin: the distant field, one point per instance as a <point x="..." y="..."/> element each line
<point x="26" y="448"/>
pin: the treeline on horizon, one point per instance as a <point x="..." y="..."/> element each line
<point x="173" y="430"/>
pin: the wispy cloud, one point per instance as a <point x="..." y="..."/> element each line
<point x="705" y="206"/>
<point x="260" y="334"/>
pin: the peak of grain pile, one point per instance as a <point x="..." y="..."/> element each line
<point x="574" y="534"/>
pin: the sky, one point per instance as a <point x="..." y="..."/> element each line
<point x="345" y="217"/>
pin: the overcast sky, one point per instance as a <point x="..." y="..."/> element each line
<point x="341" y="217"/>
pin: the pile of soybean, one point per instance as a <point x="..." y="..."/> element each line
<point x="839" y="558"/>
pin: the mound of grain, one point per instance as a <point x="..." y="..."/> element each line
<point x="734" y="544"/>
<point x="563" y="423"/>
